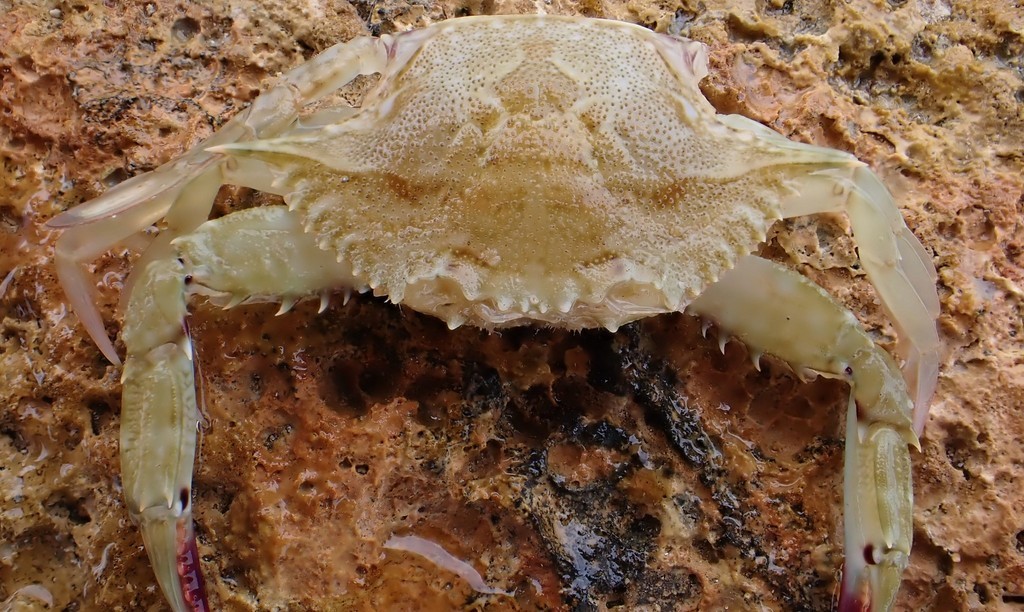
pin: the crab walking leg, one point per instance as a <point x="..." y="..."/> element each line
<point x="895" y="261"/>
<point x="776" y="310"/>
<point x="905" y="279"/>
<point x="182" y="191"/>
<point x="86" y="242"/>
<point x="253" y="253"/>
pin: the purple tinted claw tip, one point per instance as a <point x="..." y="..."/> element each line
<point x="193" y="589"/>
<point x="849" y="603"/>
<point x="854" y="598"/>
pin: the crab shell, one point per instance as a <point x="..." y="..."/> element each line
<point x="498" y="175"/>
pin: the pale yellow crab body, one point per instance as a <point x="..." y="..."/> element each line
<point x="509" y="171"/>
<point x="504" y="177"/>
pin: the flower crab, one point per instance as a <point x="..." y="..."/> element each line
<point x="509" y="171"/>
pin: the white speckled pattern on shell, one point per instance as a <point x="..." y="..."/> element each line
<point x="570" y="190"/>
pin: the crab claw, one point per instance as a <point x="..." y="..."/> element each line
<point x="826" y="338"/>
<point x="878" y="500"/>
<point x="171" y="543"/>
<point x="158" y="442"/>
<point x="159" y="423"/>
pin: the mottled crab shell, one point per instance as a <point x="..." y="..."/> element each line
<point x="499" y="175"/>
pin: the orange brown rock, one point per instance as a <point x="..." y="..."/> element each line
<point x="327" y="434"/>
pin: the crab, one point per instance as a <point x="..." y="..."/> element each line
<point x="504" y="171"/>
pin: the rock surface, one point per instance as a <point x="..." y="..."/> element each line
<point x="642" y="468"/>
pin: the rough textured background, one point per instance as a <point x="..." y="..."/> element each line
<point x="641" y="468"/>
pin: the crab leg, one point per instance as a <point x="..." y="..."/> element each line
<point x="182" y="191"/>
<point x="801" y="324"/>
<point x="895" y="261"/>
<point x="253" y="253"/>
